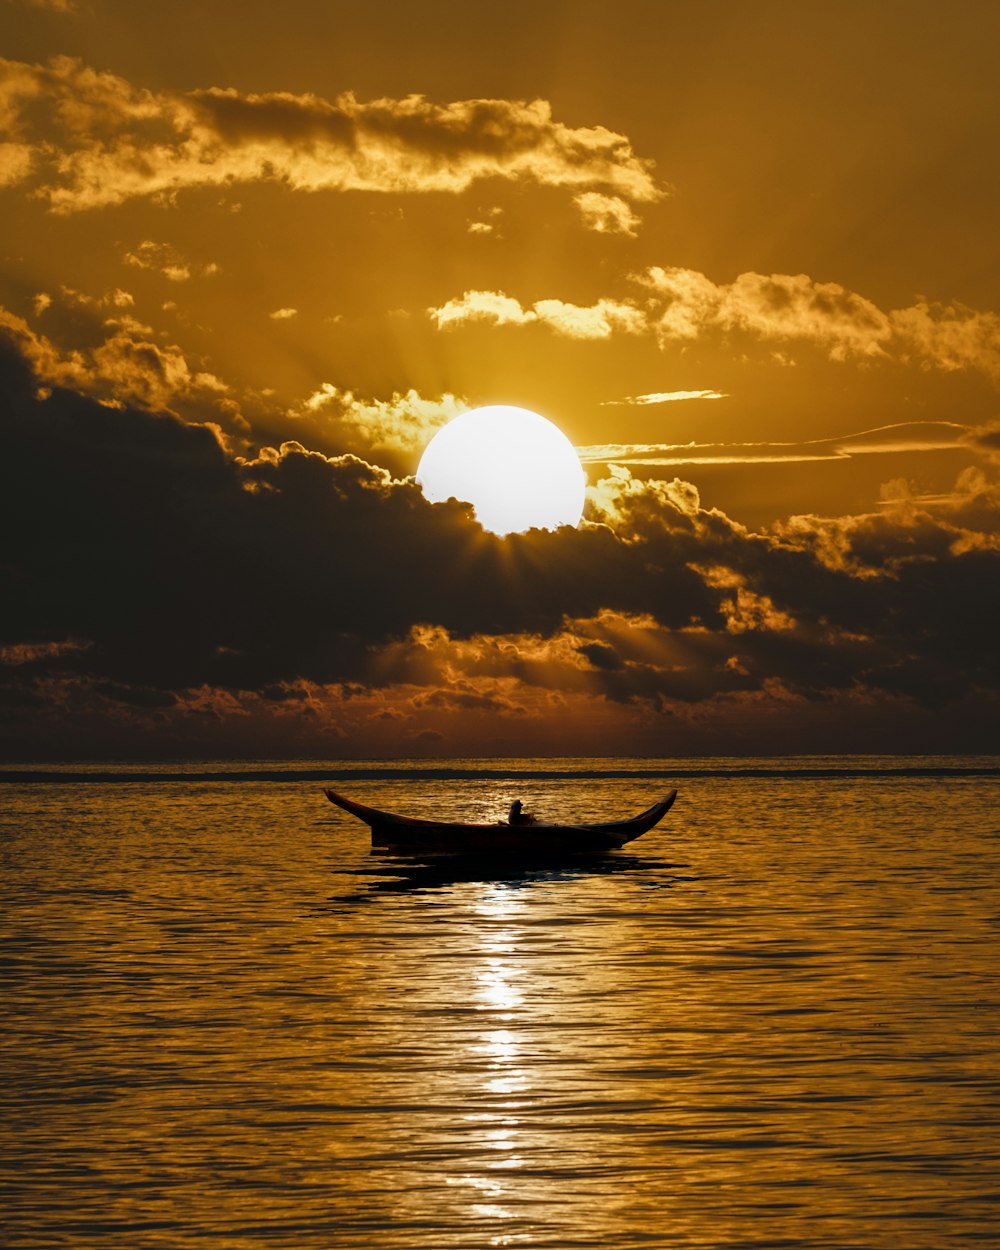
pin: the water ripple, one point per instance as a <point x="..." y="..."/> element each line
<point x="226" y="1024"/>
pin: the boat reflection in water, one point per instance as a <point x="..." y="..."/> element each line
<point x="406" y="874"/>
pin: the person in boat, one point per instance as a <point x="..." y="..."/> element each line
<point x="519" y="817"/>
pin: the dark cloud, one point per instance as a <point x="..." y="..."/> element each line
<point x="180" y="564"/>
<point x="986" y="439"/>
<point x="601" y="656"/>
<point x="146" y="564"/>
<point x="136" y="696"/>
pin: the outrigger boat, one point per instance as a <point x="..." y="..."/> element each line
<point x="405" y="835"/>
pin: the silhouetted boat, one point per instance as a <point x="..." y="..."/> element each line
<point x="405" y="835"/>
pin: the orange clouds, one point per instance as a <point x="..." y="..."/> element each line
<point x="779" y="306"/>
<point x="680" y="306"/>
<point x="126" y="367"/>
<point x="607" y="214"/>
<point x="575" y="321"/>
<point x="94" y="139"/>
<point x="405" y="423"/>
<point x="166" y="259"/>
<point x="15" y="163"/>
<point x="30" y="652"/>
<point x="901" y="437"/>
<point x="794" y="307"/>
<point x="660" y="397"/>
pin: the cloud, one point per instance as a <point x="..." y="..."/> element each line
<point x="153" y="574"/>
<point x="985" y="439"/>
<point x="16" y="161"/>
<point x="681" y="306"/>
<point x="283" y="314"/>
<point x="96" y="305"/>
<point x="30" y="652"/>
<point x="950" y="336"/>
<point x="684" y="305"/>
<point x="607" y="214"/>
<point x="405" y="423"/>
<point x="491" y="306"/>
<point x="96" y="139"/>
<point x="594" y="321"/>
<point x="166" y="259"/>
<point x="795" y="308"/>
<point x="465" y="696"/>
<point x="779" y="306"/>
<point x="124" y="367"/>
<point x="488" y="223"/>
<point x="662" y="397"/>
<point x="887" y="439"/>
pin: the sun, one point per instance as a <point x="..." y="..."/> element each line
<point x="517" y="469"/>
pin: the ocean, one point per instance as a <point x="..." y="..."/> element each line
<point x="770" y="1022"/>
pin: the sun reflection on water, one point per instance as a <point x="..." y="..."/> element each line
<point x="503" y="1087"/>
<point x="495" y="989"/>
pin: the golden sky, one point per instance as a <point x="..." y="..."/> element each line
<point x="744" y="256"/>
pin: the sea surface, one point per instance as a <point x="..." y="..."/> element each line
<point x="771" y="1022"/>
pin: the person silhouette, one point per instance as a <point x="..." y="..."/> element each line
<point x="519" y="817"/>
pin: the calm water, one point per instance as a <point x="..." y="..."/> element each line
<point x="771" y="1022"/>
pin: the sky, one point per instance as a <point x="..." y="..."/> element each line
<point x="252" y="259"/>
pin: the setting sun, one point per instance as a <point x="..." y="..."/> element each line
<point x="518" y="470"/>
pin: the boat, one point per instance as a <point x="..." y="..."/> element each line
<point x="406" y="835"/>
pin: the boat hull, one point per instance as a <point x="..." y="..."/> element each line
<point x="401" y="835"/>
